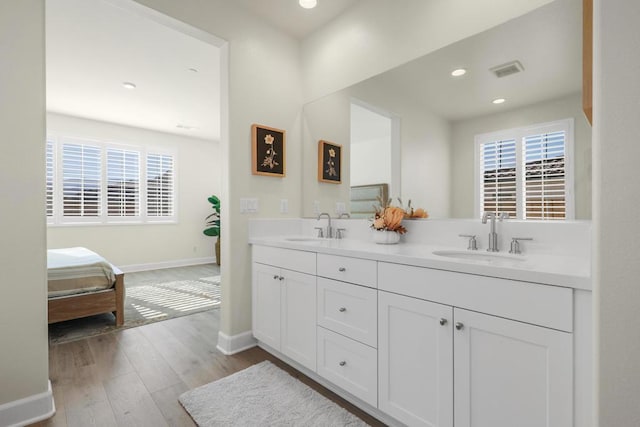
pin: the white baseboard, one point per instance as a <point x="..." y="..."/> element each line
<point x="236" y="343"/>
<point x="28" y="410"/>
<point x="166" y="264"/>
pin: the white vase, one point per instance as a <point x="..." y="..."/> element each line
<point x="385" y="237"/>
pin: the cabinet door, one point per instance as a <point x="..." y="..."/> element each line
<point x="509" y="373"/>
<point x="266" y="304"/>
<point x="415" y="360"/>
<point x="299" y="318"/>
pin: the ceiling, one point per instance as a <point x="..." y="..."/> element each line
<point x="547" y="42"/>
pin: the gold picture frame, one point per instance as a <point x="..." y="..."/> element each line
<point x="268" y="151"/>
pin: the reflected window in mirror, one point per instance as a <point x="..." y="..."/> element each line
<point x="526" y="172"/>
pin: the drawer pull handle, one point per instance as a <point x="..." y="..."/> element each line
<point x="342" y="309"/>
<point x="459" y="326"/>
<point x="343" y="363"/>
<point x="281" y="278"/>
<point x="342" y="269"/>
<point x="443" y="321"/>
<point x="275" y="277"/>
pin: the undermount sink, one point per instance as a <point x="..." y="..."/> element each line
<point x="303" y="239"/>
<point x="479" y="256"/>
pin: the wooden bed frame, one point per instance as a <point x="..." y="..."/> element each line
<point x="91" y="303"/>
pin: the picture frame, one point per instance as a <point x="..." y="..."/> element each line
<point x="329" y="162"/>
<point x="268" y="151"/>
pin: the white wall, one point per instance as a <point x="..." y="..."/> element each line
<point x="198" y="175"/>
<point x="616" y="210"/>
<point x="370" y="162"/>
<point x="463" y="149"/>
<point x="23" y="281"/>
<point x="374" y="36"/>
<point x="264" y="88"/>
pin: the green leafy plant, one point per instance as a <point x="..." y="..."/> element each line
<point x="213" y="220"/>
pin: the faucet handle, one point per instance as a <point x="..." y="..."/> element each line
<point x="320" y="231"/>
<point x="473" y="244"/>
<point x="340" y="233"/>
<point x="515" y="245"/>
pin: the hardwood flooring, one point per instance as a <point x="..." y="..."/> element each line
<point x="133" y="377"/>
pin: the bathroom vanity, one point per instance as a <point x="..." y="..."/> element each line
<point x="422" y="339"/>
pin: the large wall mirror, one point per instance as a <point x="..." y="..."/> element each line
<point x="433" y="117"/>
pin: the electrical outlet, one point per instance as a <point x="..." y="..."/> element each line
<point x="284" y="206"/>
<point x="316" y="207"/>
<point x="340" y="208"/>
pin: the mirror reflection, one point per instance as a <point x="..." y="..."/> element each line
<point x="414" y="127"/>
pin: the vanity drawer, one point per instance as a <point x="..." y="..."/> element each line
<point x="353" y="270"/>
<point x="348" y="364"/>
<point x="304" y="262"/>
<point x="350" y="310"/>
<point x="544" y="305"/>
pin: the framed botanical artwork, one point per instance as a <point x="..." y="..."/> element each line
<point x="329" y="162"/>
<point x="268" y="151"/>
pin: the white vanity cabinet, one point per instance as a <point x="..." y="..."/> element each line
<point x="284" y="302"/>
<point x="439" y="362"/>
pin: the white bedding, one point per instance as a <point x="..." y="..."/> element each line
<point x="77" y="270"/>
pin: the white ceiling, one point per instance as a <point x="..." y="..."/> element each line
<point x="547" y="41"/>
<point x="94" y="46"/>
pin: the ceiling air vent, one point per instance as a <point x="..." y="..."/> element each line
<point x="507" y="69"/>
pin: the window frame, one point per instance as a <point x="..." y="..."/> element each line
<point x="518" y="134"/>
<point x="59" y="220"/>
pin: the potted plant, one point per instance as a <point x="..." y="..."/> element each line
<point x="213" y="224"/>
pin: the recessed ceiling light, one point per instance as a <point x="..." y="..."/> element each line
<point x="129" y="85"/>
<point x="308" y="4"/>
<point x="458" y="72"/>
<point x="499" y="101"/>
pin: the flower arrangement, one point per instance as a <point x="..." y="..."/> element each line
<point x="411" y="213"/>
<point x="390" y="218"/>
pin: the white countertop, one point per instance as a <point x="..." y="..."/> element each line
<point x="557" y="270"/>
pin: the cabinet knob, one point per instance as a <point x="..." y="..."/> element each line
<point x="343" y="363"/>
<point x="342" y="309"/>
<point x="459" y="326"/>
<point x="342" y="269"/>
<point x="281" y="278"/>
<point x="276" y="277"/>
<point x="443" y="321"/>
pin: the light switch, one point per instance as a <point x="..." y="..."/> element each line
<point x="316" y="207"/>
<point x="340" y="208"/>
<point x="284" y="206"/>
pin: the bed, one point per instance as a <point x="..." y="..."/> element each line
<point x="81" y="283"/>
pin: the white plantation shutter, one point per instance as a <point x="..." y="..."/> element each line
<point x="123" y="183"/>
<point x="498" y="192"/>
<point x="160" y="190"/>
<point x="50" y="167"/>
<point x="544" y="176"/>
<point x="81" y="180"/>
<point x="526" y="172"/>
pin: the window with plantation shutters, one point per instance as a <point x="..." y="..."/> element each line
<point x="96" y="182"/>
<point x="159" y="185"/>
<point x="526" y="172"/>
<point x="81" y="180"/>
<point x="50" y="177"/>
<point x="544" y="178"/>
<point x="499" y="177"/>
<point x="123" y="183"/>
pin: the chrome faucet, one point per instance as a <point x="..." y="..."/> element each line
<point x="329" y="232"/>
<point x="493" y="236"/>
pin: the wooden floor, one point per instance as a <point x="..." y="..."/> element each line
<point x="133" y="377"/>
